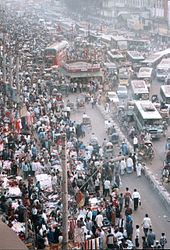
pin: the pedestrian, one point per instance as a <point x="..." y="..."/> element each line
<point x="121" y="200"/>
<point x="135" y="143"/>
<point x="99" y="220"/>
<point x="129" y="166"/>
<point x="121" y="224"/>
<point x="122" y="166"/>
<point x="138" y="169"/>
<point x="163" y="240"/>
<point x="157" y="245"/>
<point x="124" y="149"/>
<point x="134" y="158"/>
<point x="107" y="107"/>
<point x="151" y="237"/>
<point x="137" y="236"/>
<point x="107" y="187"/>
<point x="136" y="199"/>
<point x="146" y="224"/>
<point x="144" y="243"/>
<point x="110" y="240"/>
<point x="97" y="186"/>
<point x="127" y="197"/>
<point x="129" y="227"/>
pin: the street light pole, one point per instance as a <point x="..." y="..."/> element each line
<point x="64" y="193"/>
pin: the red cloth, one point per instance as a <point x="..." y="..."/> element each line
<point x="18" y="125"/>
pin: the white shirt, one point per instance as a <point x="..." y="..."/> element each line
<point x="146" y="222"/>
<point x="129" y="162"/>
<point x="136" y="195"/>
<point x="99" y="220"/>
<point x="107" y="184"/>
<point x="137" y="233"/>
<point x="135" y="140"/>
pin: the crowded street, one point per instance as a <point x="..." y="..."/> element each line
<point x="84" y="130"/>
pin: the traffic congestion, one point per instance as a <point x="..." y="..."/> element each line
<point x="63" y="167"/>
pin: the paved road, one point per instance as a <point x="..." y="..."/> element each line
<point x="151" y="202"/>
<point x="159" y="146"/>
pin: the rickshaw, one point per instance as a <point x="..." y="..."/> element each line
<point x="146" y="151"/>
<point x="70" y="105"/>
<point x="166" y="174"/>
<point x="95" y="144"/>
<point x="108" y="150"/>
<point x="80" y="103"/>
<point x="130" y="110"/>
<point x="113" y="135"/>
<point x="86" y="121"/>
<point x="114" y="138"/>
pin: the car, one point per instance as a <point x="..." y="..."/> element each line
<point x="112" y="96"/>
<point x="122" y="91"/>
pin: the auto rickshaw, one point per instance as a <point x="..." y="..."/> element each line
<point x="146" y="151"/>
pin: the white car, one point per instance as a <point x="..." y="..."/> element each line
<point x="122" y="91"/>
<point x="112" y="96"/>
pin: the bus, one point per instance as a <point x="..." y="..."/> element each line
<point x="140" y="45"/>
<point x="106" y="40"/>
<point x="119" y="42"/>
<point x="163" y="69"/>
<point x="55" y="54"/>
<point x="165" y="94"/>
<point x="147" y="118"/>
<point x="135" y="56"/>
<point x="139" y="90"/>
<point x="154" y="59"/>
<point x="115" y="55"/>
<point x="146" y="74"/>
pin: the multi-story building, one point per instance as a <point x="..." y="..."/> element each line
<point x="157" y="7"/>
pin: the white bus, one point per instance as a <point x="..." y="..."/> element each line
<point x="154" y="59"/>
<point x="146" y="74"/>
<point x="135" y="56"/>
<point x="147" y="118"/>
<point x="139" y="90"/>
<point x="165" y="94"/>
<point x="163" y="69"/>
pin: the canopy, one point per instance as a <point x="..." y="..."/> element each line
<point x="82" y="74"/>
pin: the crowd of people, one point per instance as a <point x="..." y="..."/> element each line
<point x="33" y="123"/>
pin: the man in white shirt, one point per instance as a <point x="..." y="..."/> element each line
<point x="135" y="143"/>
<point x="99" y="220"/>
<point x="106" y="188"/>
<point x="146" y="224"/>
<point x="136" y="199"/>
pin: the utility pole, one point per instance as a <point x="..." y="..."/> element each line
<point x="17" y="77"/>
<point x="10" y="69"/>
<point x="64" y="193"/>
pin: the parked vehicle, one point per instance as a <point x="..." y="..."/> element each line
<point x="122" y="91"/>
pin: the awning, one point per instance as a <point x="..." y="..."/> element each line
<point x="82" y="74"/>
<point x="9" y="239"/>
